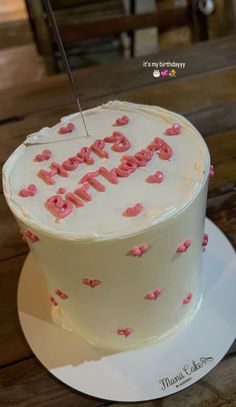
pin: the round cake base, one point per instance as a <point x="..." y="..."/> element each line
<point x="145" y="373"/>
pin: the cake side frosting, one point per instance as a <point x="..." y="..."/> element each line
<point x="183" y="174"/>
<point x="122" y="253"/>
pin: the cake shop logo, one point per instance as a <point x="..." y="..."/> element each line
<point x="185" y="374"/>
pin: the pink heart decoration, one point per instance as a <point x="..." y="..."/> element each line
<point x="184" y="246"/>
<point x="173" y="130"/>
<point x="61" y="294"/>
<point x="134" y="211"/>
<point x="45" y="155"/>
<point x="125" y="332"/>
<point x="154" y="294"/>
<point x="31" y="190"/>
<point x="67" y="129"/>
<point x="61" y="190"/>
<point x="140" y="250"/>
<point x="91" y="283"/>
<point x="157" y="178"/>
<point x="121" y="121"/>
<point x="204" y="241"/>
<point x="188" y="298"/>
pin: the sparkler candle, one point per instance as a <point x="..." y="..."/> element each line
<point x="116" y="231"/>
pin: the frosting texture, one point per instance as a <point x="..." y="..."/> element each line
<point x="109" y="180"/>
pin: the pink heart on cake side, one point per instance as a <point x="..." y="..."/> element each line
<point x="188" y="298"/>
<point x="125" y="332"/>
<point x="61" y="294"/>
<point x="139" y="250"/>
<point x="91" y="283"/>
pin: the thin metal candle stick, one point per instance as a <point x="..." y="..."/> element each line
<point x="52" y="19"/>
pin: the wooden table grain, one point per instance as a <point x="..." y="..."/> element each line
<point x="204" y="92"/>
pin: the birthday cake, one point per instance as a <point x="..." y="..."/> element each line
<point x="115" y="219"/>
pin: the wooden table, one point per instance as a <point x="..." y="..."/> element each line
<point x="205" y="92"/>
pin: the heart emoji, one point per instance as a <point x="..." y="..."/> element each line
<point x="164" y="73"/>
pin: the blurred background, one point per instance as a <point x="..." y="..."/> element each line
<point x="98" y="32"/>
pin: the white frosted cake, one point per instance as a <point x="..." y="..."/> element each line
<point x="115" y="220"/>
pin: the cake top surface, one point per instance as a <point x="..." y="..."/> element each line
<point x="156" y="184"/>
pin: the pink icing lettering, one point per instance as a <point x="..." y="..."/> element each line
<point x="53" y="301"/>
<point x="188" y="298"/>
<point x="82" y="192"/>
<point x="173" y="130"/>
<point x="31" y="190"/>
<point x="61" y="190"/>
<point x="97" y="147"/>
<point x="84" y="155"/>
<point x="184" y="246"/>
<point x="156" y="178"/>
<point x="163" y="149"/>
<point x="67" y="129"/>
<point x="61" y="294"/>
<point x="134" y="211"/>
<point x="125" y="332"/>
<point x="121" y="143"/>
<point x="91" y="283"/>
<point x="76" y="201"/>
<point x="116" y="136"/>
<point x="60" y="170"/>
<point x="128" y="163"/>
<point x="45" y="155"/>
<point x="123" y="173"/>
<point x="58" y="206"/>
<point x="47" y="176"/>
<point x="111" y="175"/>
<point x="121" y="121"/>
<point x="211" y="171"/>
<point x="142" y="157"/>
<point x="139" y="250"/>
<point x="90" y="177"/>
<point x="71" y="163"/>
<point x="31" y="236"/>
<point x="153" y="294"/>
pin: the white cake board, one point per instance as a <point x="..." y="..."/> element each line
<point x="146" y="373"/>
